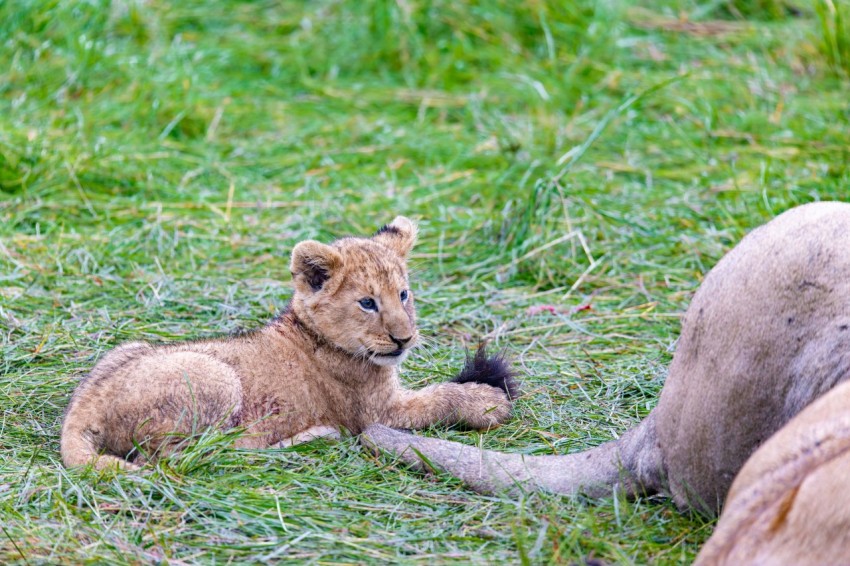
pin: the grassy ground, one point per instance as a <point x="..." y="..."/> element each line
<point x="159" y="160"/>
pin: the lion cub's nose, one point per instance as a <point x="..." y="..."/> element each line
<point x="400" y="342"/>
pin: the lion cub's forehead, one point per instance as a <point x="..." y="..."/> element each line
<point x="369" y="264"/>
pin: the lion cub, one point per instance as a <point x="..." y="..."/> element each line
<point x="328" y="361"/>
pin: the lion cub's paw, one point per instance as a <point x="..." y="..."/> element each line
<point x="487" y="408"/>
<point x="494" y="387"/>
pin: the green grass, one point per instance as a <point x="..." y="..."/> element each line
<point x="834" y="19"/>
<point x="159" y="160"/>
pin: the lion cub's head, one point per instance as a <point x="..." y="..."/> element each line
<point x="355" y="292"/>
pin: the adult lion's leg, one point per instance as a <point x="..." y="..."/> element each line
<point x="790" y="503"/>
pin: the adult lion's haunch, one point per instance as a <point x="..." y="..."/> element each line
<point x="767" y="333"/>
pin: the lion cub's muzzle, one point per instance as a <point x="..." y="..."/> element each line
<point x="396" y="356"/>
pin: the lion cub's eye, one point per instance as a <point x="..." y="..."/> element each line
<point x="368" y="304"/>
<point x="403" y="296"/>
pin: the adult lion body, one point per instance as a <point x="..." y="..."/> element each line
<point x="767" y="333"/>
<point x="328" y="361"/>
<point x="790" y="504"/>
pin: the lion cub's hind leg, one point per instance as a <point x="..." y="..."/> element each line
<point x="147" y="407"/>
<point x="312" y="433"/>
<point x="190" y="392"/>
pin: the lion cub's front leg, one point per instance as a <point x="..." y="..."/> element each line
<point x="480" y="397"/>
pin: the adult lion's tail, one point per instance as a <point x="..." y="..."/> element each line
<point x="489" y="370"/>
<point x="631" y="463"/>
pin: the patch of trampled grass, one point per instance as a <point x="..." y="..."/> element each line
<point x="159" y="160"/>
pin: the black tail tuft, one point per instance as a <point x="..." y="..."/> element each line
<point x="489" y="370"/>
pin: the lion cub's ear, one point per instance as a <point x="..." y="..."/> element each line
<point x="399" y="235"/>
<point x="312" y="264"/>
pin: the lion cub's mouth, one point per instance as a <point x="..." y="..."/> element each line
<point x="392" y="358"/>
<point x="393" y="354"/>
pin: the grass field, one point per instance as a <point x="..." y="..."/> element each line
<point x="159" y="160"/>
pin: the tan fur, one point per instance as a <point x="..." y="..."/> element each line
<point x="790" y="503"/>
<point x="325" y="363"/>
<point x="767" y="333"/>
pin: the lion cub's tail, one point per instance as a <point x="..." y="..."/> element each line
<point x="80" y="446"/>
<point x="489" y="370"/>
<point x="78" y="450"/>
<point x="81" y="443"/>
<point x="84" y="427"/>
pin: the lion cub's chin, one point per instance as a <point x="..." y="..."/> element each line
<point x="389" y="360"/>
